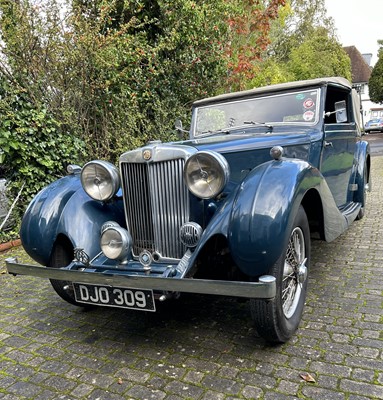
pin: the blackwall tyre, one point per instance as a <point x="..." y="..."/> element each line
<point x="61" y="257"/>
<point x="362" y="210"/>
<point x="278" y="319"/>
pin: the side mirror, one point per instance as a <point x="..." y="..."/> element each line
<point x="341" y="111"/>
<point x="179" y="127"/>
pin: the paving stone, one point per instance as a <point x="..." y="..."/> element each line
<point x="288" y="387"/>
<point x="221" y="384"/>
<point x="133" y="375"/>
<point x="363" y="375"/>
<point x="59" y="383"/>
<point x="330" y="369"/>
<point x="209" y="395"/>
<point x="55" y="366"/>
<point x="184" y="390"/>
<point x="49" y="395"/>
<point x="82" y="390"/>
<point x="26" y="389"/>
<point x="194" y="377"/>
<point x="173" y="397"/>
<point x="316" y="393"/>
<point x="262" y="381"/>
<point x="251" y="392"/>
<point x="99" y="394"/>
<point x="6" y="381"/>
<point x="362" y="388"/>
<point x="142" y="392"/>
<point x="98" y="380"/>
<point x="327" y="382"/>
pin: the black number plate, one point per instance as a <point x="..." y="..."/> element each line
<point x="137" y="299"/>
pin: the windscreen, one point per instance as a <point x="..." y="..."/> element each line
<point x="301" y="107"/>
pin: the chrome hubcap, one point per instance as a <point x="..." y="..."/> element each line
<point x="294" y="272"/>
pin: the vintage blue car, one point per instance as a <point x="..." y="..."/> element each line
<point x="228" y="212"/>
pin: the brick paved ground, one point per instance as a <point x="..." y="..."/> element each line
<point x="203" y="347"/>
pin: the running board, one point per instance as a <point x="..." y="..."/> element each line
<point x="351" y="211"/>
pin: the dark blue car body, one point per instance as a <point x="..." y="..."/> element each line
<point x="308" y="163"/>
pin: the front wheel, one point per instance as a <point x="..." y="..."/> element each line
<point x="62" y="256"/>
<point x="276" y="320"/>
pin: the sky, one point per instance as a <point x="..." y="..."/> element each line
<point x="358" y="23"/>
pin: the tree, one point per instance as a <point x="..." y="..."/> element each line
<point x="115" y="73"/>
<point x="298" y="21"/>
<point x="300" y="37"/>
<point x="146" y="62"/>
<point x="35" y="143"/>
<point x="250" y="25"/>
<point x="375" y="84"/>
<point x="319" y="56"/>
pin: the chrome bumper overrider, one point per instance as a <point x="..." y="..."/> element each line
<point x="265" y="288"/>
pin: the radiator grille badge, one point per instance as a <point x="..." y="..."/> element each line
<point x="147" y="155"/>
<point x="145" y="258"/>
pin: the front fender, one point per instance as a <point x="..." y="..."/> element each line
<point x="63" y="208"/>
<point x="257" y="217"/>
<point x="39" y="224"/>
<point x="264" y="210"/>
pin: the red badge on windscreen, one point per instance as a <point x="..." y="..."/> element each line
<point x="308" y="103"/>
<point x="308" y="116"/>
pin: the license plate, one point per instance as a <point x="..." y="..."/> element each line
<point x="137" y="299"/>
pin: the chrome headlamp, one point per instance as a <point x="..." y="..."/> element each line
<point x="100" y="180"/>
<point x="116" y="242"/>
<point x="206" y="173"/>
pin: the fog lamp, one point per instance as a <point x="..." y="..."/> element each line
<point x="116" y="242"/>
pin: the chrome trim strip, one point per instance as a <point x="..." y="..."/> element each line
<point x="159" y="152"/>
<point x="265" y="289"/>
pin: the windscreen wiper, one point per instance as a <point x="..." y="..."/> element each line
<point x="258" y="123"/>
<point x="225" y="131"/>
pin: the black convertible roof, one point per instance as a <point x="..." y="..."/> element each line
<point x="276" y="88"/>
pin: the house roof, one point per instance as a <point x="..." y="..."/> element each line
<point x="360" y="70"/>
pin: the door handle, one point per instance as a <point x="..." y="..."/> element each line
<point x="328" y="144"/>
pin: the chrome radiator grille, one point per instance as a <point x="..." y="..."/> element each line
<point x="157" y="204"/>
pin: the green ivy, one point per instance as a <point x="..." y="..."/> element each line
<point x="35" y="149"/>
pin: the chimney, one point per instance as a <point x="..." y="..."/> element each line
<point x="367" y="57"/>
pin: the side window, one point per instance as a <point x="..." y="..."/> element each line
<point x="333" y="96"/>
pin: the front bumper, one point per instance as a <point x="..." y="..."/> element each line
<point x="265" y="288"/>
